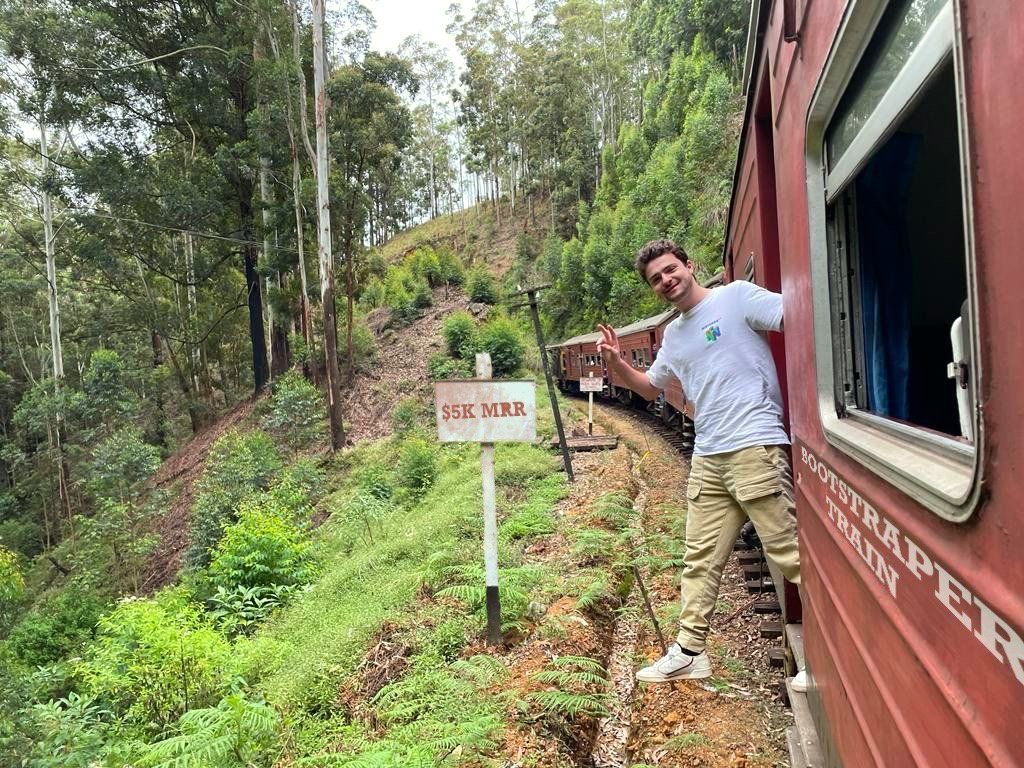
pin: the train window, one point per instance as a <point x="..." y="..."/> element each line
<point x="894" y="291"/>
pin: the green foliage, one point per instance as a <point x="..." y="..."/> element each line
<point x="459" y="330"/>
<point x="501" y="338"/>
<point x="238" y="464"/>
<point x="265" y="548"/>
<point x="481" y="286"/>
<point x="405" y="415"/>
<point x="296" y="411"/>
<point x="236" y="733"/>
<point x="154" y="659"/>
<point x="239" y="610"/>
<point x="58" y="627"/>
<point x="450" y="269"/>
<point x="12" y="583"/>
<point x="120" y="463"/>
<point x="108" y="398"/>
<point x="417" y="466"/>
<point x="70" y="732"/>
<point x="579" y="688"/>
<point x="466" y="583"/>
<point x="440" y="367"/>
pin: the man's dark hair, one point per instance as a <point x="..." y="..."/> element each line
<point x="653" y="250"/>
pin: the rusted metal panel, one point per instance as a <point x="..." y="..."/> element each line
<point x="472" y="411"/>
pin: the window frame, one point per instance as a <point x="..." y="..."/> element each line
<point x="938" y="471"/>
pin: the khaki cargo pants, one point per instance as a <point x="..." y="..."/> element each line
<point x="723" y="491"/>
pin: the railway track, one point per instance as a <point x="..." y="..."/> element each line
<point x="682" y="442"/>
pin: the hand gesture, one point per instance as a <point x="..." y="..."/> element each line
<point x="609" y="342"/>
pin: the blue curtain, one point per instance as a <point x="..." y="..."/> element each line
<point x="883" y="196"/>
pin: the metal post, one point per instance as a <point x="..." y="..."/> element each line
<point x="531" y="293"/>
<point x="494" y="637"/>
<point x="590" y="409"/>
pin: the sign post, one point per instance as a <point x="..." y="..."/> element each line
<point x="487" y="411"/>
<point x="590" y="385"/>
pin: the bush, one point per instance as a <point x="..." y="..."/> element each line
<point x="443" y="367"/>
<point x="154" y="659"/>
<point x="57" y="628"/>
<point x="120" y="464"/>
<point x="264" y="548"/>
<point x="459" y="329"/>
<point x="417" y="466"/>
<point x="236" y="466"/>
<point x="12" y="583"/>
<point x="375" y="479"/>
<point x="296" y="412"/>
<point x="481" y="286"/>
<point x="450" y="269"/>
<point x="500" y="338"/>
<point x="405" y="415"/>
<point x="364" y="347"/>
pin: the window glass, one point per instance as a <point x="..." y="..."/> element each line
<point x="900" y="32"/>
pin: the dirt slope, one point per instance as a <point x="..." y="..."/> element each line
<point x="177" y="477"/>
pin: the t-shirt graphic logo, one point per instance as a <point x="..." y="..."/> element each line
<point x="712" y="332"/>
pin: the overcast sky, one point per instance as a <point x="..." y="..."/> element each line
<point x="397" y="19"/>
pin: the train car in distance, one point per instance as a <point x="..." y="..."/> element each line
<point x="877" y="186"/>
<point x="639" y="343"/>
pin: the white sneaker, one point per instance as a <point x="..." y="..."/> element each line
<point x="676" y="665"/>
<point x="799" y="682"/>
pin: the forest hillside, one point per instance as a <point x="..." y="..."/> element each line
<point x="228" y="536"/>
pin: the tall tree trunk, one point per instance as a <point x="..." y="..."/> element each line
<point x="260" y="371"/>
<point x="305" y="320"/>
<point x="324" y="219"/>
<point x="279" y="357"/>
<point x="56" y="352"/>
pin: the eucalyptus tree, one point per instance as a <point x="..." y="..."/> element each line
<point x="370" y="128"/>
<point x="184" y="70"/>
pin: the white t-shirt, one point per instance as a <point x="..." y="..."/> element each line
<point x="722" y="359"/>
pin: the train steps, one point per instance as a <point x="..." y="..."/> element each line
<point x="802" y="737"/>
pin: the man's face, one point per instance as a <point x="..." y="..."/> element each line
<point x="669" y="278"/>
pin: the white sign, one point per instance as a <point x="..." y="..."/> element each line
<point x="485" y="411"/>
<point x="591" y="383"/>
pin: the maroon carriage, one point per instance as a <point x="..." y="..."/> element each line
<point x="878" y="187"/>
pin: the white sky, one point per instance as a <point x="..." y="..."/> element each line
<point x="397" y="19"/>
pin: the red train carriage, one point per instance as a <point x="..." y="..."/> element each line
<point x="877" y="185"/>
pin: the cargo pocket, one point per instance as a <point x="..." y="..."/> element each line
<point x="756" y="476"/>
<point x="696" y="476"/>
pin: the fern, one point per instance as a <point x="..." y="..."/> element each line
<point x="582" y="687"/>
<point x="598" y="587"/>
<point x="573" y="704"/>
<point x="480" y="669"/>
<point x="235" y="732"/>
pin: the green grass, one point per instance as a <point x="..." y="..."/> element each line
<point x="300" y="659"/>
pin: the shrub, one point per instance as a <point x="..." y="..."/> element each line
<point x="375" y="479"/>
<point x="264" y="548"/>
<point x="238" y="610"/>
<point x="296" y="412"/>
<point x="120" y="464"/>
<point x="154" y="659"/>
<point x="481" y="286"/>
<point x="57" y="628"/>
<point x="450" y="269"/>
<point x="441" y="366"/>
<point x="422" y="295"/>
<point x="12" y="583"/>
<point x="405" y="415"/>
<point x="500" y="338"/>
<point x="459" y="329"/>
<point x="237" y="465"/>
<point x="417" y="466"/>
<point x="364" y="348"/>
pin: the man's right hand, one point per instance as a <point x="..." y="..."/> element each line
<point x="608" y="345"/>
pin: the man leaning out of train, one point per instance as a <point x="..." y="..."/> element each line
<point x="740" y="470"/>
